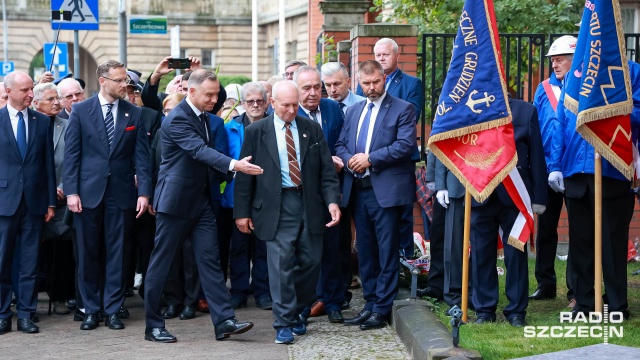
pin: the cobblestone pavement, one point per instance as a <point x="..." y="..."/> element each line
<point x="61" y="338"/>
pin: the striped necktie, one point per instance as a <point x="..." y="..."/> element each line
<point x="294" y="167"/>
<point x="109" y="123"/>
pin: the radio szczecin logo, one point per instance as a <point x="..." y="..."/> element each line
<point x="581" y="325"/>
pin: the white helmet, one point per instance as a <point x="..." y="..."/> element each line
<point x="563" y="45"/>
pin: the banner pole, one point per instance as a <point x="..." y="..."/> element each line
<point x="598" y="231"/>
<point x="465" y="254"/>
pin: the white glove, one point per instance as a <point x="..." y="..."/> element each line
<point x="538" y="209"/>
<point x="443" y="198"/>
<point x="556" y="182"/>
<point x="431" y="185"/>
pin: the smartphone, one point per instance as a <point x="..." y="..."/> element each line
<point x="179" y="63"/>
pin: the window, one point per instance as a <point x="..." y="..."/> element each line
<point x="208" y="58"/>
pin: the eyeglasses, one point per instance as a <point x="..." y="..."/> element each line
<point x="52" y="99"/>
<point x="78" y="95"/>
<point x="258" y="102"/>
<point x="119" y="81"/>
<point x="288" y="75"/>
<point x="166" y="111"/>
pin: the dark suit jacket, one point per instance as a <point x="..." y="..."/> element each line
<point x="152" y="120"/>
<point x="34" y="177"/>
<point x="259" y="197"/>
<point x="332" y="121"/>
<point x="89" y="164"/>
<point x="531" y="163"/>
<point x="188" y="163"/>
<point x="392" y="144"/>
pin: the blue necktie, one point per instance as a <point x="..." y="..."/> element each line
<point x="361" y="144"/>
<point x="21" y="137"/>
<point x="109" y="124"/>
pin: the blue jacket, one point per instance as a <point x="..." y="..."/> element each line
<point x="219" y="137"/>
<point x="572" y="154"/>
<point x="332" y="120"/>
<point x="547" y="118"/>
<point x="235" y="136"/>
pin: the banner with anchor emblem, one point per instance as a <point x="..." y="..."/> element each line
<point x="598" y="86"/>
<point x="472" y="133"/>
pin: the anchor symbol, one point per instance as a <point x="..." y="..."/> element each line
<point x="471" y="103"/>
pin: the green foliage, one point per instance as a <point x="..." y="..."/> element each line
<point x="329" y="52"/>
<point x="513" y="16"/>
<point x="233" y="79"/>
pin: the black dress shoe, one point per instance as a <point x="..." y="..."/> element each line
<point x="188" y="313"/>
<point x="517" y="321"/>
<point x="123" y="313"/>
<point x="72" y="304"/>
<point x="430" y="292"/>
<point x="335" y="316"/>
<point x="27" y="326"/>
<point x="113" y="322"/>
<point x="5" y="326"/>
<point x="347" y="300"/>
<point x="78" y="315"/>
<point x="90" y="322"/>
<point x="484" y="320"/>
<point x="375" y="321"/>
<point x="540" y="294"/>
<point x="159" y="335"/>
<point x="358" y="319"/>
<point x="231" y="327"/>
<point x="171" y="311"/>
<point x="34" y="317"/>
<point x="129" y="292"/>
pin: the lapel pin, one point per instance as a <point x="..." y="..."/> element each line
<point x="126" y="114"/>
<point x="304" y="135"/>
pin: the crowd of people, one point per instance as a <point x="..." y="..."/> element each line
<point x="263" y="186"/>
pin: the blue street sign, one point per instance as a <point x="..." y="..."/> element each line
<point x="7" y="67"/>
<point x="59" y="55"/>
<point x="84" y="14"/>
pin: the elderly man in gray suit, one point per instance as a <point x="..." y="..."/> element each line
<point x="57" y="234"/>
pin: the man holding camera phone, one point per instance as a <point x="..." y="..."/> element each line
<point x="152" y="98"/>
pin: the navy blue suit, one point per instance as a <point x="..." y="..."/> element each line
<point x="407" y="88"/>
<point x="103" y="178"/>
<point x="182" y="201"/>
<point x="377" y="209"/>
<point x="27" y="189"/>
<point x="500" y="211"/>
<point x="330" y="285"/>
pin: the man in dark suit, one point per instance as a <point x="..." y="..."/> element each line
<point x="408" y="88"/>
<point x="27" y="196"/>
<point x="376" y="144"/>
<point x="183" y="207"/>
<point x="499" y="211"/>
<point x="287" y="206"/>
<point x="328" y="115"/>
<point x="106" y="145"/>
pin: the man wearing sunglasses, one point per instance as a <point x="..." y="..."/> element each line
<point x="70" y="92"/>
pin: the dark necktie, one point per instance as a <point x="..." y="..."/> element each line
<point x="294" y="167"/>
<point x="203" y="122"/>
<point x="314" y="115"/>
<point x="342" y="106"/>
<point x="109" y="124"/>
<point x="21" y="136"/>
<point x="361" y="144"/>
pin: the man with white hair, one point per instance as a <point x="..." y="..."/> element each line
<point x="337" y="81"/>
<point x="546" y="101"/>
<point x="70" y="92"/>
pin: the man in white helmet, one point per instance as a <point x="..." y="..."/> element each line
<point x="546" y="102"/>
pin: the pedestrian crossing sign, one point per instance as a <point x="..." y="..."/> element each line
<point x="84" y="15"/>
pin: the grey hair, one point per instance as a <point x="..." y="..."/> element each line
<point x="384" y="41"/>
<point x="199" y="76"/>
<point x="294" y="62"/>
<point x="252" y="88"/>
<point x="274" y="79"/>
<point x="39" y="90"/>
<point x="9" y="79"/>
<point x="302" y="69"/>
<point x="66" y="82"/>
<point x="281" y="84"/>
<point x="332" y="68"/>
